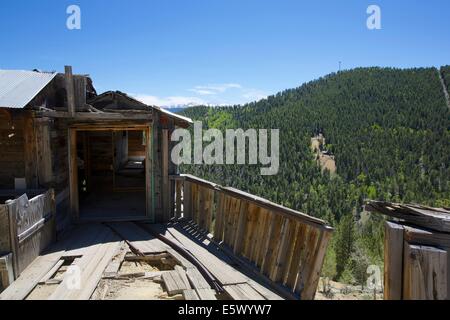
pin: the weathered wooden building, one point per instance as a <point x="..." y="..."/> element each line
<point x="71" y="158"/>
<point x="87" y="147"/>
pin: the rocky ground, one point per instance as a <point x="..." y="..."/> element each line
<point x="341" y="291"/>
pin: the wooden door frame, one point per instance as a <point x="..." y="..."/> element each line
<point x="74" y="204"/>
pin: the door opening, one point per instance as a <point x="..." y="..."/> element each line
<point x="111" y="174"/>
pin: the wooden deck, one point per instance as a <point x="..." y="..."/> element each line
<point x="89" y="263"/>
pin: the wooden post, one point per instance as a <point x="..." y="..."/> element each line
<point x="178" y="186"/>
<point x="312" y="280"/>
<point x="165" y="176"/>
<point x="393" y="261"/>
<point x="70" y="90"/>
<point x="73" y="174"/>
<point x="149" y="175"/>
<point x="12" y="208"/>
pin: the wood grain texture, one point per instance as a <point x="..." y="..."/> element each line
<point x="425" y="273"/>
<point x="393" y="261"/>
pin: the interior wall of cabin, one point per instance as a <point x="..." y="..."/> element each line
<point x="136" y="145"/>
<point x="12" y="146"/>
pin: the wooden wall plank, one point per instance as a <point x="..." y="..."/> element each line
<point x="218" y="227"/>
<point x="178" y="189"/>
<point x="44" y="153"/>
<point x="263" y="220"/>
<point x="6" y="271"/>
<point x="315" y="266"/>
<point x="240" y="228"/>
<point x="30" y="153"/>
<point x="425" y="273"/>
<point x="429" y="238"/>
<point x="12" y="155"/>
<point x="393" y="261"/>
<point x="281" y="254"/>
<point x="187" y="203"/>
<point x="5" y="242"/>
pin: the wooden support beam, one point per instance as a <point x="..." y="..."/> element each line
<point x="149" y="178"/>
<point x="73" y="175"/>
<point x="178" y="188"/>
<point x="70" y="90"/>
<point x="165" y="175"/>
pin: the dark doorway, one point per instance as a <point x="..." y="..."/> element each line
<point x="111" y="174"/>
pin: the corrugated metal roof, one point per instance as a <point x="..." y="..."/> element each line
<point x="174" y="115"/>
<point x="18" y="87"/>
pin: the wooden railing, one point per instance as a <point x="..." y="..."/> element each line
<point x="286" y="247"/>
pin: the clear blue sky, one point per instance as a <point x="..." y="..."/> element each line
<point x="219" y="51"/>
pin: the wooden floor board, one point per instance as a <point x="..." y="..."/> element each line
<point x="243" y="291"/>
<point x="139" y="237"/>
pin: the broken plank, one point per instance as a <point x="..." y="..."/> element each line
<point x="90" y="267"/>
<point x="113" y="267"/>
<point x="174" y="283"/>
<point x="182" y="274"/>
<point x="30" y="277"/>
<point x="196" y="279"/>
<point x="52" y="271"/>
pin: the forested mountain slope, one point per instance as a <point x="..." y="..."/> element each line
<point x="389" y="130"/>
<point x="446" y="75"/>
